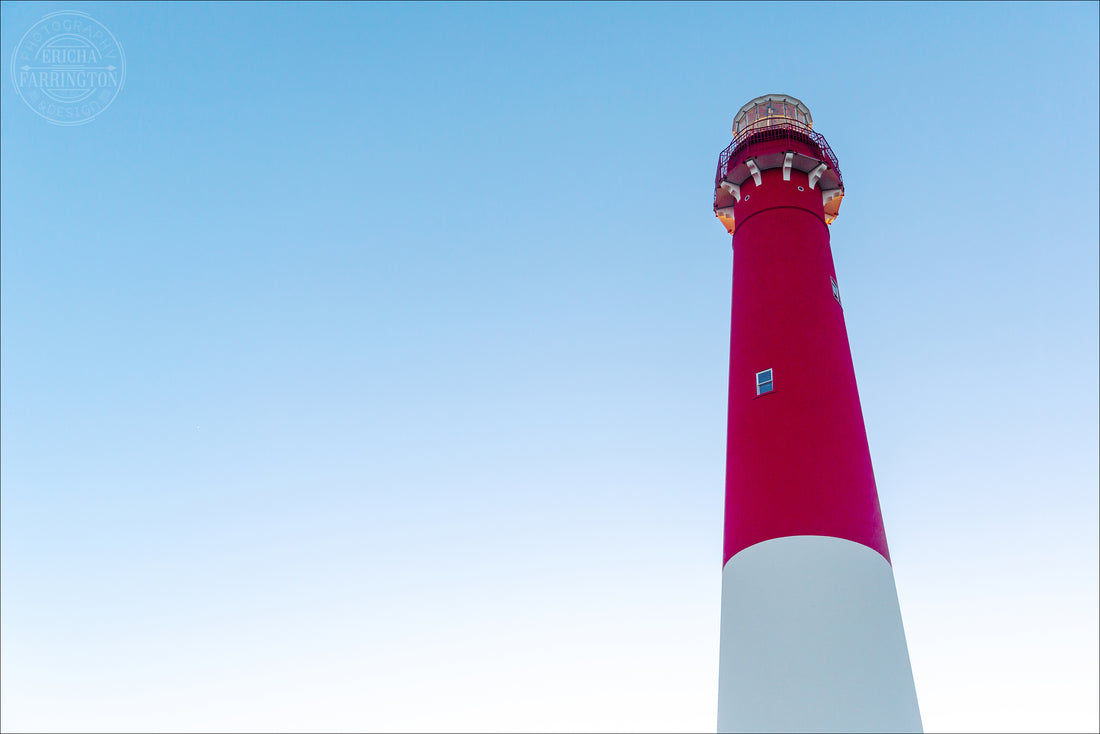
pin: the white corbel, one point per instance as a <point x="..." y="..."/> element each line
<point x="788" y="161"/>
<point x="753" y="170"/>
<point x="815" y="175"/>
<point x="733" y="189"/>
<point x="828" y="195"/>
<point x="725" y="211"/>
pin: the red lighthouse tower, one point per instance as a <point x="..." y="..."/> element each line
<point x="811" y="636"/>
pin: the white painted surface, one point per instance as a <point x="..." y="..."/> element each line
<point x="751" y="164"/>
<point x="816" y="174"/>
<point x="812" y="640"/>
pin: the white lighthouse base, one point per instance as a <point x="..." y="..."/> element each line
<point x="812" y="641"/>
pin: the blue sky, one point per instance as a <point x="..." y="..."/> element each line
<point x="364" y="366"/>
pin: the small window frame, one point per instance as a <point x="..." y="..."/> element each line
<point x="836" y="289"/>
<point x="765" y="386"/>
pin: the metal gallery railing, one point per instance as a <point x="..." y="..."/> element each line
<point x="791" y="132"/>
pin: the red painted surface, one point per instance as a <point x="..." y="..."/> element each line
<point x="797" y="457"/>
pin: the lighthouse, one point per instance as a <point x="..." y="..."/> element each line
<point x="811" y="630"/>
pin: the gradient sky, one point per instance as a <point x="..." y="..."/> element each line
<point x="364" y="366"/>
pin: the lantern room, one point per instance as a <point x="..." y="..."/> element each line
<point x="771" y="110"/>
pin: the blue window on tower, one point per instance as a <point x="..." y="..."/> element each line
<point x="764" y="382"/>
<point x="836" y="289"/>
